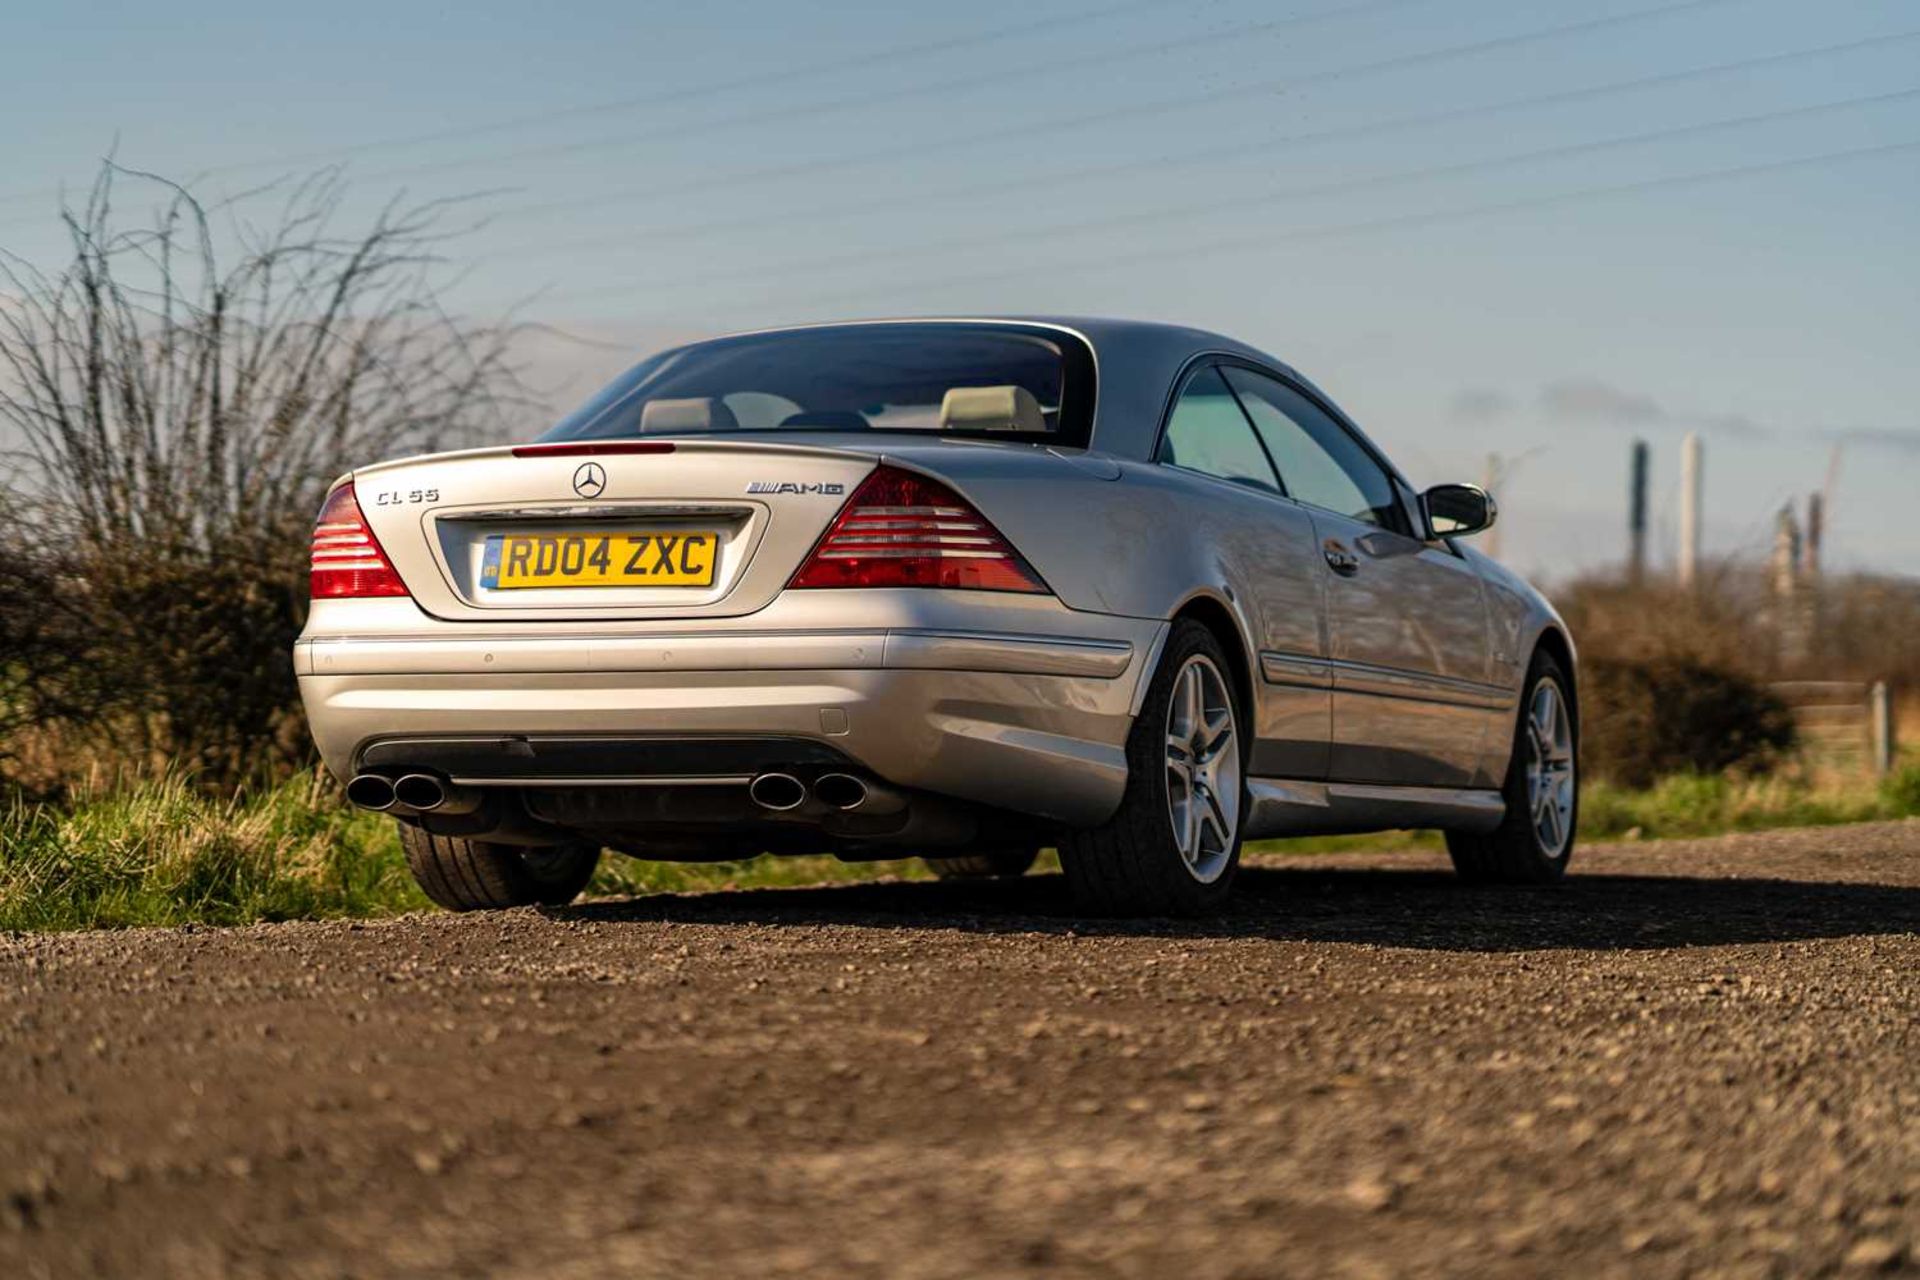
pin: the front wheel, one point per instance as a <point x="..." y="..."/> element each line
<point x="1534" y="842"/>
<point x="1174" y="845"/>
<point x="477" y="875"/>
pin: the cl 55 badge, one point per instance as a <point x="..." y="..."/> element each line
<point x="788" y="486"/>
<point x="395" y="498"/>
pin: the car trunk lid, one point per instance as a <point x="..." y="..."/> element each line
<point x="606" y="530"/>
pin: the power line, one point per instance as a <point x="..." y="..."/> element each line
<point x="1027" y="128"/>
<point x="1052" y="67"/>
<point x="1338" y="231"/>
<point x="1191" y="157"/>
<point x="667" y="97"/>
<point x="1264" y="199"/>
<point x="1152" y="108"/>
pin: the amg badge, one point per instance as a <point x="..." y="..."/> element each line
<point x="788" y="486"/>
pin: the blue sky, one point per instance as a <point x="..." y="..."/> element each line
<point x="1525" y="229"/>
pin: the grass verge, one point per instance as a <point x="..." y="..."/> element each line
<point x="163" y="853"/>
<point x="1707" y="805"/>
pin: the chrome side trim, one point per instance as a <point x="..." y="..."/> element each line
<point x="1291" y="669"/>
<point x="1382" y="682"/>
<point x="1288" y="807"/>
<point x="1311" y="672"/>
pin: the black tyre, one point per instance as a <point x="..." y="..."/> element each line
<point x="475" y="875"/>
<point x="1534" y="842"/>
<point x="985" y="864"/>
<point x="1173" y="846"/>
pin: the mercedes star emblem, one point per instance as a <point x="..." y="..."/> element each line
<point x="589" y="480"/>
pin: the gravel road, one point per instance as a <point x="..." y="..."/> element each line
<point x="1694" y="1058"/>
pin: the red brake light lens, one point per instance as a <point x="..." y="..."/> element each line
<point x="905" y="530"/>
<point x="347" y="559"/>
<point x="590" y="448"/>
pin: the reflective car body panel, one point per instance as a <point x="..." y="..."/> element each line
<point x="1380" y="692"/>
<point x="1006" y="700"/>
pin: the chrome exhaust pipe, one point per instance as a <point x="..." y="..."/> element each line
<point x="424" y="793"/>
<point x="371" y="791"/>
<point x="849" y="794"/>
<point x="778" y="792"/>
<point x="840" y="791"/>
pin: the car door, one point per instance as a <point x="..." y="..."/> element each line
<point x="1266" y="545"/>
<point x="1407" y="626"/>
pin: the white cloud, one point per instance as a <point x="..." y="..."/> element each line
<point x="1595" y="401"/>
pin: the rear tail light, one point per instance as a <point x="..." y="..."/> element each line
<point x="904" y="530"/>
<point x="347" y="559"/>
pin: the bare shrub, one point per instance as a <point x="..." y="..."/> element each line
<point x="183" y="389"/>
<point x="1646" y="719"/>
<point x="1723" y="623"/>
<point x="1664" y="666"/>
<point x="1672" y="678"/>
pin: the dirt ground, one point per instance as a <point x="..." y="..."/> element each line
<point x="1695" y="1058"/>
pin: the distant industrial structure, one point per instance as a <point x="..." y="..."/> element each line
<point x="1797" y="543"/>
<point x="1839" y="717"/>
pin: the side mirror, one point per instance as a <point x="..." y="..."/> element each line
<point x="1456" y="510"/>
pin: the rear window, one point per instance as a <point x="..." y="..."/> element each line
<point x="893" y="377"/>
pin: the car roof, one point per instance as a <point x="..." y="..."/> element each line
<point x="1136" y="362"/>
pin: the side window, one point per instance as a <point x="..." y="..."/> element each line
<point x="1208" y="433"/>
<point x="1319" y="460"/>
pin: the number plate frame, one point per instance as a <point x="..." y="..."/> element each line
<point x="563" y="559"/>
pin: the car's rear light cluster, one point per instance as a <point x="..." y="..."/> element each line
<point x="900" y="529"/>
<point x="347" y="559"/>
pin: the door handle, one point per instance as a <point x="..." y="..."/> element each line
<point x="1339" y="559"/>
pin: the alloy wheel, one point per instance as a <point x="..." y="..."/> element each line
<point x="1550" y="768"/>
<point x="1203" y="769"/>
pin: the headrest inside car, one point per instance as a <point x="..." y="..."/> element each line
<point x="991" y="409"/>
<point x="663" y="417"/>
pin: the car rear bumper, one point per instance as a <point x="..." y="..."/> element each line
<point x="1032" y="723"/>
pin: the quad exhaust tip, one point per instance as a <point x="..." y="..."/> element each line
<point x="431" y="793"/>
<point x="840" y="791"/>
<point x="777" y="791"/>
<point x="420" y="791"/>
<point x="412" y="793"/>
<point x="371" y="791"/>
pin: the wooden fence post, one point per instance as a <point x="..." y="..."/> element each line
<point x="1880" y="721"/>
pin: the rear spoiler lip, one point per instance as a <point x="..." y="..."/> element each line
<point x="591" y="448"/>
<point x="678" y="445"/>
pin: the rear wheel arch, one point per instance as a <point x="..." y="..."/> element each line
<point x="1151" y="857"/>
<point x="1214" y="614"/>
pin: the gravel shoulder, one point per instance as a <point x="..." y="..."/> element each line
<point x="1694" y="1058"/>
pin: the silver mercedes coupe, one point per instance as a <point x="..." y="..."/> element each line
<point x="953" y="589"/>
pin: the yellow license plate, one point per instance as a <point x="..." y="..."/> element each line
<point x="642" y="558"/>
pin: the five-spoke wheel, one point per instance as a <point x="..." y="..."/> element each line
<point x="1535" y="839"/>
<point x="1174" y="844"/>
<point x="1203" y="768"/>
<point x="1550" y="780"/>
